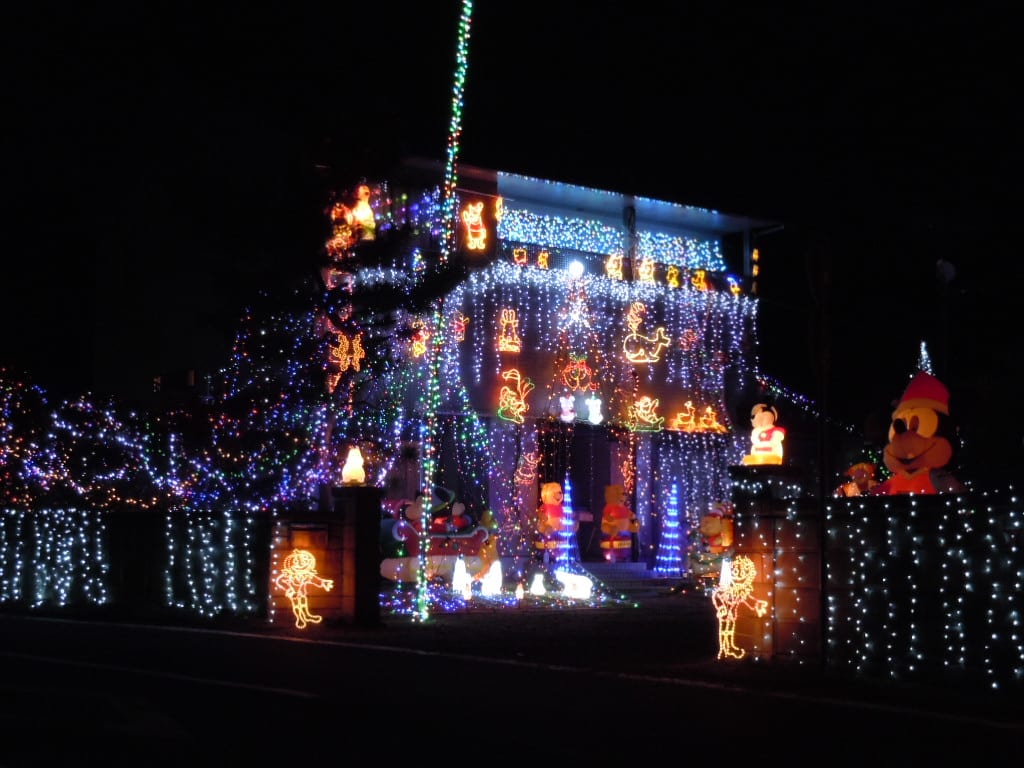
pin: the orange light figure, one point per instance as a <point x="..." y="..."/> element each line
<point x="476" y="232"/>
<point x="519" y="256"/>
<point x="512" y="402"/>
<point x="699" y="280"/>
<point x="613" y="266"/>
<point x="709" y="421"/>
<point x="542" y="259"/>
<point x="297" y="575"/>
<point x="348" y="352"/>
<point x="735" y="590"/>
<point x="672" y="276"/>
<point x="508" y="336"/>
<point x="686" y="419"/>
<point x="645" y="270"/>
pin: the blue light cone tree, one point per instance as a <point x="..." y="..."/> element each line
<point x="669" y="559"/>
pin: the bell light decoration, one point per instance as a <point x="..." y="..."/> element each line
<point x="352" y="473"/>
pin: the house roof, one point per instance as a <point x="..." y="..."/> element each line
<point x="650" y="214"/>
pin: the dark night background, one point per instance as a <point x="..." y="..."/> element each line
<point x="162" y="165"/>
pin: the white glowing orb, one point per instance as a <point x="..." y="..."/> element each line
<point x="576" y="269"/>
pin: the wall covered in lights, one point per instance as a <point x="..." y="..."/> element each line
<point x="585" y="307"/>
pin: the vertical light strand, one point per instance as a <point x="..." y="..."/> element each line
<point x="448" y="205"/>
<point x="448" y="221"/>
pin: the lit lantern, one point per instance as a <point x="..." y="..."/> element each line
<point x="352" y="473"/>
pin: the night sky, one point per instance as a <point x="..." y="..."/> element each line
<point x="162" y="166"/>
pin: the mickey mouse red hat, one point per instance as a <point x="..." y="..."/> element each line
<point x="925" y="391"/>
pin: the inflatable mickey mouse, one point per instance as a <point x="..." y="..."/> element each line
<point x="921" y="439"/>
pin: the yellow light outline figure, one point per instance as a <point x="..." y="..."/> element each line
<point x="643" y="415"/>
<point x="348" y="352"/>
<point x="298" y="573"/>
<point x="512" y="402"/>
<point x="639" y="348"/>
<point x="672" y="276"/>
<point x="613" y="266"/>
<point x="476" y="232"/>
<point x="645" y="270"/>
<point x="508" y="336"/>
<point x="736" y="585"/>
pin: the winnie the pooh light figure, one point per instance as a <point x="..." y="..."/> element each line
<point x="618" y="524"/>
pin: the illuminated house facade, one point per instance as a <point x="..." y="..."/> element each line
<point x="597" y="339"/>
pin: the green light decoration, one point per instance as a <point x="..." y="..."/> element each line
<point x="449" y="222"/>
